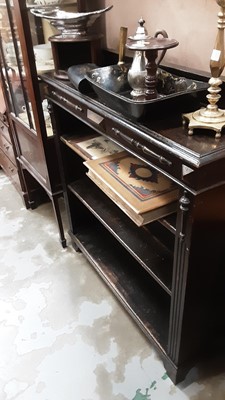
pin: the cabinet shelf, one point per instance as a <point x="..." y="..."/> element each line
<point x="150" y="308"/>
<point x="169" y="222"/>
<point x="143" y="243"/>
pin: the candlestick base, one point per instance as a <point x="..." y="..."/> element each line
<point x="203" y="119"/>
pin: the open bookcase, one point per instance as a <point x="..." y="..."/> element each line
<point x="97" y="219"/>
<point x="161" y="272"/>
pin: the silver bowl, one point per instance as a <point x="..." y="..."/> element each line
<point x="69" y="23"/>
<point x="47" y="2"/>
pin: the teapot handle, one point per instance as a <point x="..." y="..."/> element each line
<point x="165" y="35"/>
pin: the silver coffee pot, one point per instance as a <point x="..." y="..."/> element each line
<point x="142" y="73"/>
<point x="137" y="72"/>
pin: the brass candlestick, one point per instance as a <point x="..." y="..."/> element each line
<point x="212" y="117"/>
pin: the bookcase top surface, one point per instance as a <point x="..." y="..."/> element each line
<point x="166" y="131"/>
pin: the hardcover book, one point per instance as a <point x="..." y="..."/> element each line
<point x="143" y="193"/>
<point x="92" y="147"/>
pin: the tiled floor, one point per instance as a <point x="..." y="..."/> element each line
<point x="63" y="335"/>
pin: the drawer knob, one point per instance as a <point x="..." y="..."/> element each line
<point x="66" y="101"/>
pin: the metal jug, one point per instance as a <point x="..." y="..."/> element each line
<point x="137" y="72"/>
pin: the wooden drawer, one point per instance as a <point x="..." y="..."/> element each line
<point x="6" y="147"/>
<point x="145" y="149"/>
<point x="78" y="109"/>
<point x="4" y="130"/>
<point x="67" y="102"/>
<point x="9" y="168"/>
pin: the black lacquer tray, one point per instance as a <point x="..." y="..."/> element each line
<point x="112" y="88"/>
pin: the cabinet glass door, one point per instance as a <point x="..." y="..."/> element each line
<point x="21" y="84"/>
<point x="12" y="66"/>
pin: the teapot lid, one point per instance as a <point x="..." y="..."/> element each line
<point x="141" y="32"/>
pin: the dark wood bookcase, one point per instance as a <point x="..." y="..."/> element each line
<point x="169" y="274"/>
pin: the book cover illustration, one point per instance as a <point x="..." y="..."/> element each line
<point x="141" y="218"/>
<point x="141" y="186"/>
<point x="95" y="147"/>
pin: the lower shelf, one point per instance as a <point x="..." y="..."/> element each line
<point x="142" y="297"/>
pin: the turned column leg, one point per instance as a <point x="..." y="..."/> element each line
<point x="55" y="203"/>
<point x="150" y="79"/>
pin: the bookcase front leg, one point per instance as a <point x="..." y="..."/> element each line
<point x="180" y="269"/>
<point x="197" y="302"/>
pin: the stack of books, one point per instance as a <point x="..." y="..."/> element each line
<point x="142" y="192"/>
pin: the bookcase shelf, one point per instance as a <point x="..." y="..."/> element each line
<point x="169" y="222"/>
<point x="143" y="244"/>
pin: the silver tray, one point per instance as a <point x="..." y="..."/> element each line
<point x="112" y="88"/>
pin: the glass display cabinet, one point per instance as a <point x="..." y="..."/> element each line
<point x="33" y="162"/>
<point x="9" y="83"/>
<point x="29" y="155"/>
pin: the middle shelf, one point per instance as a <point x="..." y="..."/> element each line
<point x="144" y="243"/>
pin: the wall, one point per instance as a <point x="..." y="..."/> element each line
<point x="192" y="22"/>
